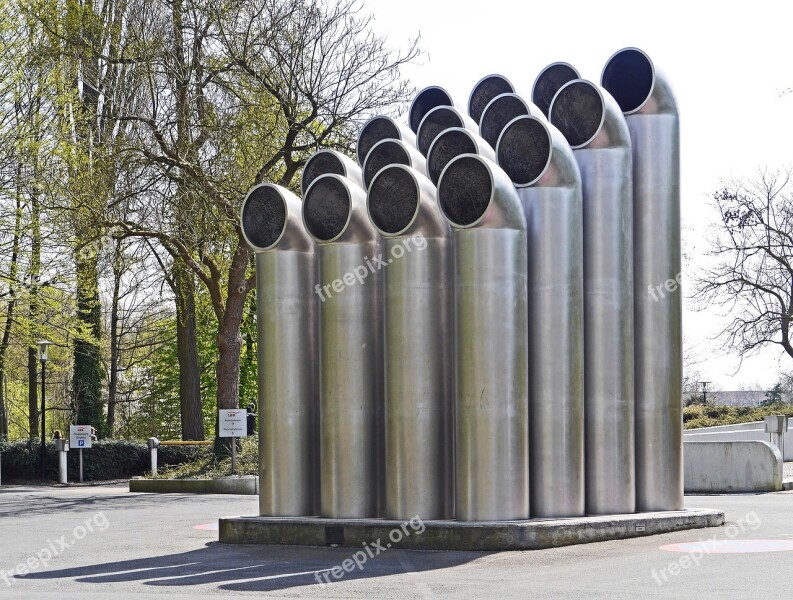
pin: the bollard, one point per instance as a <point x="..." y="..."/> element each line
<point x="153" y="443"/>
<point x="61" y="447"/>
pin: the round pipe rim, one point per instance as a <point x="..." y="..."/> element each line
<point x="559" y="63"/>
<point x="367" y="181"/>
<point x="320" y="180"/>
<point x="390" y="120"/>
<point x="425" y="121"/>
<point x="653" y="79"/>
<point x="313" y="158"/>
<point x="411" y="172"/>
<point x="475" y="89"/>
<point x="513" y="123"/>
<point x="248" y="196"/>
<point x="436" y="143"/>
<point x="431" y="88"/>
<point x="596" y="88"/>
<point x="481" y="161"/>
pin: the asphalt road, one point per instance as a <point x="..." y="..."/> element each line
<point x="103" y="542"/>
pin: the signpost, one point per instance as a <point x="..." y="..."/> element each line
<point x="80" y="437"/>
<point x="233" y="423"/>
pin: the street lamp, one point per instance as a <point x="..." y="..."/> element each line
<point x="43" y="345"/>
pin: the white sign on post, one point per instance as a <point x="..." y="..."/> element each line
<point x="232" y="422"/>
<point x="79" y="437"/>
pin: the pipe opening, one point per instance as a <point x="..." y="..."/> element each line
<point x="465" y="191"/>
<point x="326" y="208"/>
<point x="448" y="145"/>
<point x="524" y="150"/>
<point x="377" y="129"/>
<point x="484" y="91"/>
<point x="321" y="163"/>
<point x="263" y="216"/>
<point x="577" y="110"/>
<point x="499" y="112"/>
<point x="424" y="102"/>
<point x="393" y="200"/>
<point x="549" y="82"/>
<point x="435" y="122"/>
<point x="386" y="153"/>
<point x="629" y="77"/>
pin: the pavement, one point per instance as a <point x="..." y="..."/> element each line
<point x="104" y="542"/>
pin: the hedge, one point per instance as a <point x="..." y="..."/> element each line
<point x="106" y="459"/>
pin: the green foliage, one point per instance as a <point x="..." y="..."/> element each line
<point x="697" y="416"/>
<point x="773" y="396"/>
<point x="207" y="463"/>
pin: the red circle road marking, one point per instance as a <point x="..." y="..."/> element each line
<point x="732" y="546"/>
<point x="207" y="526"/>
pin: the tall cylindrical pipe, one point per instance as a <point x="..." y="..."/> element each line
<point x="549" y="81"/>
<point x="491" y="345"/>
<point x="350" y="356"/>
<point x="380" y="128"/>
<point x="593" y="124"/>
<point x="391" y="152"/>
<point x="646" y="98"/>
<point x="327" y="161"/>
<point x="541" y="164"/>
<point x="500" y="111"/>
<point x="286" y="314"/>
<point x="418" y="351"/>
<point x="484" y="91"/>
<point x="438" y="120"/>
<point x="451" y="143"/>
<point x="424" y="102"/>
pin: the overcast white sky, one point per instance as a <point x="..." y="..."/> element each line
<point x="729" y="63"/>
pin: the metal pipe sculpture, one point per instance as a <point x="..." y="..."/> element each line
<point x="350" y="357"/>
<point x="484" y="91"/>
<point x="451" y="143"/>
<point x="541" y="164"/>
<point x="381" y="128"/>
<point x="323" y="162"/>
<point x="490" y="334"/>
<point x="419" y="387"/>
<point x="438" y="120"/>
<point x="549" y="81"/>
<point x="424" y="102"/>
<point x="500" y="111"/>
<point x="391" y="152"/>
<point x="286" y="308"/>
<point x="646" y="98"/>
<point x="594" y="126"/>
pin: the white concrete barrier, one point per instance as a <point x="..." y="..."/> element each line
<point x="741" y="432"/>
<point x="724" y="467"/>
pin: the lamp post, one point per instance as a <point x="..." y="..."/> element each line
<point x="43" y="345"/>
<point x="704" y="391"/>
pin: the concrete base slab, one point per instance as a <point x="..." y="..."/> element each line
<point x="533" y="534"/>
<point x="219" y="485"/>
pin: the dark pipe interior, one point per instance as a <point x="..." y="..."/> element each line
<point x="628" y="77"/>
<point x="548" y="83"/>
<point x="375" y="130"/>
<point x="465" y="190"/>
<point x="320" y="164"/>
<point x="387" y="153"/>
<point x="434" y="123"/>
<point x="448" y="145"/>
<point x="393" y="199"/>
<point x="577" y="111"/>
<point x="484" y="92"/>
<point x="427" y="99"/>
<point x="326" y="208"/>
<point x="524" y="150"/>
<point x="502" y="111"/>
<point x="263" y="216"/>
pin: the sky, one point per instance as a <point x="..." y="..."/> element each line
<point x="728" y="62"/>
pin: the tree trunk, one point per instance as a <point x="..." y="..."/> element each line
<point x="115" y="341"/>
<point x="187" y="352"/>
<point x="33" y="307"/>
<point x="87" y="382"/>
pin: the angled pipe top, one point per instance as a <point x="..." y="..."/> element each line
<point x="329" y="161"/>
<point x="334" y="211"/>
<point x="451" y="143"/>
<point x="588" y="116"/>
<point x="401" y="201"/>
<point x="440" y="119"/>
<point x="424" y="102"/>
<point x="475" y="192"/>
<point x="534" y="153"/>
<point x="637" y="86"/>
<point x="390" y="152"/>
<point x="500" y="111"/>
<point x="484" y="91"/>
<point x="381" y="128"/>
<point x="549" y="81"/>
<point x="270" y="218"/>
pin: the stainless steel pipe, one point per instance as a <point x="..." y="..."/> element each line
<point x="391" y="152"/>
<point x="451" y="143"/>
<point x="286" y="312"/>
<point x="549" y="81"/>
<point x="646" y="98"/>
<point x="491" y="431"/>
<point x="424" y="102"/>
<point x="437" y="121"/>
<point x="500" y="111"/>
<point x="350" y="357"/>
<point x="381" y="128"/>
<point x="540" y="162"/>
<point x="419" y="387"/>
<point x="484" y="91"/>
<point x="327" y="161"/>
<point x="594" y="126"/>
